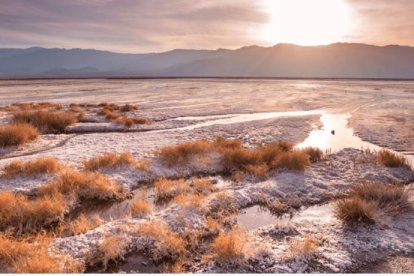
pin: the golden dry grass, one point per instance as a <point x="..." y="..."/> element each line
<point x="356" y="210"/>
<point x="181" y="154"/>
<point x="314" y="154"/>
<point x="111" y="248"/>
<point x="166" y="189"/>
<point x="304" y="248"/>
<point x="82" y="186"/>
<point x="366" y="200"/>
<point x="130" y="121"/>
<point x="203" y="186"/>
<point x="390" y="159"/>
<point x="140" y="206"/>
<point x="45" y="121"/>
<point x="170" y="243"/>
<point x="22" y="215"/>
<point x="24" y="256"/>
<point x="80" y="225"/>
<point x="40" y="165"/>
<point x="143" y="165"/>
<point x="229" y="247"/>
<point x="191" y="200"/>
<point x="17" y="134"/>
<point x="108" y="160"/>
<point x="127" y="108"/>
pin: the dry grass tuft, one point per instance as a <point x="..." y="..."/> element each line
<point x="82" y="186"/>
<point x="17" y="134"/>
<point x="166" y="190"/>
<point x="390" y="159"/>
<point x="305" y="248"/>
<point x="46" y="122"/>
<point x="81" y="224"/>
<point x="24" y="256"/>
<point x="356" y="210"/>
<point x="229" y="247"/>
<point x="140" y="206"/>
<point x="128" y="107"/>
<point x="169" y="243"/>
<point x="143" y="165"/>
<point x="111" y="248"/>
<point x="314" y="154"/>
<point x="109" y="160"/>
<point x="21" y="215"/>
<point x="203" y="186"/>
<point x="366" y="200"/>
<point x="192" y="201"/>
<point x="182" y="154"/>
<point x="39" y="165"/>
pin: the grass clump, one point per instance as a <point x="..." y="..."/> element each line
<point x="166" y="189"/>
<point x="46" y="122"/>
<point x="111" y="248"/>
<point x="229" y="247"/>
<point x="305" y="248"/>
<point x="393" y="160"/>
<point x="25" y="256"/>
<point x="182" y="154"/>
<point x="22" y="215"/>
<point x="140" y="206"/>
<point x="41" y="165"/>
<point x="127" y="108"/>
<point x="82" y="186"/>
<point x="17" y="134"/>
<point x="109" y="160"/>
<point x="80" y="225"/>
<point x="168" y="243"/>
<point x="365" y="201"/>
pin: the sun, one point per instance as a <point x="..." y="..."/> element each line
<point x="307" y="22"/>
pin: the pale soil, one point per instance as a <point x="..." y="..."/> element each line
<point x="380" y="113"/>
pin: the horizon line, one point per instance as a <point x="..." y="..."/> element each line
<point x="204" y="49"/>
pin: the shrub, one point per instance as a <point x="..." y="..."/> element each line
<point x="108" y="160"/>
<point x="39" y="165"/>
<point x="82" y="186"/>
<point x="229" y="247"/>
<point x="21" y="215"/>
<point x="390" y="159"/>
<point x="181" y="154"/>
<point x="17" y="134"/>
<point x="46" y="122"/>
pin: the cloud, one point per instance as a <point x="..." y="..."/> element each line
<point x="158" y="25"/>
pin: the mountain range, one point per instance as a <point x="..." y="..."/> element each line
<point x="339" y="60"/>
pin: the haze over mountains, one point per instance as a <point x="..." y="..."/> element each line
<point x="340" y="60"/>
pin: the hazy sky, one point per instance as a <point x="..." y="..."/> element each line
<point x="158" y="25"/>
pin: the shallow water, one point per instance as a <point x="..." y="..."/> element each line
<point x="254" y="217"/>
<point x="241" y="118"/>
<point x="335" y="135"/>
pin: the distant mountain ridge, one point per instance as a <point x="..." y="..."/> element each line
<point x="339" y="60"/>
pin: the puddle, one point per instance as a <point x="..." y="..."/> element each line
<point x="257" y="216"/>
<point x="254" y="217"/>
<point x="335" y="135"/>
<point x="136" y="263"/>
<point x="118" y="210"/>
<point x="241" y="118"/>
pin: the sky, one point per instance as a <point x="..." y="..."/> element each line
<point x="141" y="26"/>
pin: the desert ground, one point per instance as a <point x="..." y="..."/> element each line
<point x="206" y="175"/>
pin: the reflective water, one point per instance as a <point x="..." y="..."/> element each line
<point x="241" y="118"/>
<point x="254" y="217"/>
<point x="335" y="135"/>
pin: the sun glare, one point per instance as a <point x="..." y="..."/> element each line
<point x="307" y="22"/>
